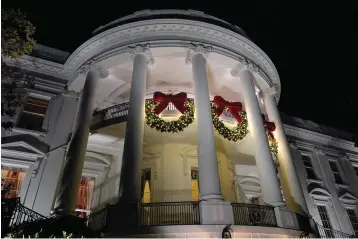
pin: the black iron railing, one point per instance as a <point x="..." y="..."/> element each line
<point x="13" y="213"/>
<point x="169" y="213"/>
<point x="98" y="219"/>
<point x="118" y="113"/>
<point x="112" y="115"/>
<point x="330" y="233"/>
<point x="254" y="215"/>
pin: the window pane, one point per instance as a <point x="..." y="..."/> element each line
<point x="33" y="114"/>
<point x="195" y="185"/>
<point x="325" y="221"/>
<point x="309" y="167"/>
<point x="30" y="121"/>
<point x="84" y="197"/>
<point x="36" y="106"/>
<point x="354" y="220"/>
<point x="11" y="181"/>
<point x="334" y="168"/>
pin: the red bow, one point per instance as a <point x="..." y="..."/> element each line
<point x="177" y="100"/>
<point x="233" y="107"/>
<point x="269" y="127"/>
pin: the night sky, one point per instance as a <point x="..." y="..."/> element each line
<point x="314" y="44"/>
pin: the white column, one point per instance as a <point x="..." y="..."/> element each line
<point x="264" y="162"/>
<point x="213" y="209"/>
<point x="72" y="172"/>
<point x="131" y="171"/>
<point x="289" y="179"/>
<point x="209" y="182"/>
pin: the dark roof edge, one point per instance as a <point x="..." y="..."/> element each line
<point x="49" y="53"/>
<point x="312" y="126"/>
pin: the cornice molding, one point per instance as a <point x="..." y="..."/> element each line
<point x="38" y="65"/>
<point x="319" y="138"/>
<point x="165" y="29"/>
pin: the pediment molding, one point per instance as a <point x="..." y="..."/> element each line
<point x="190" y="151"/>
<point x="348" y="198"/>
<point x="20" y="149"/>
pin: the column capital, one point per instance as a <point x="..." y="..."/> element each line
<point x="344" y="156"/>
<point x="319" y="150"/>
<point x="292" y="145"/>
<point x="272" y="91"/>
<point x="91" y="65"/>
<point x="70" y="93"/>
<point x="197" y="49"/>
<point x="141" y="49"/>
<point x="244" y="65"/>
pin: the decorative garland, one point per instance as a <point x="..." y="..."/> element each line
<point x="235" y="108"/>
<point x="269" y="128"/>
<point x="159" y="103"/>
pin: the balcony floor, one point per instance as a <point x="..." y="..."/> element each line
<point x="210" y="231"/>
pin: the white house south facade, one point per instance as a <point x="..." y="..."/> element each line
<point x="167" y="121"/>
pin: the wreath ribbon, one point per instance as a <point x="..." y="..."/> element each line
<point x="233" y="107"/>
<point x="270" y="127"/>
<point x="177" y="100"/>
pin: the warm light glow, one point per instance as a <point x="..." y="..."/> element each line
<point x="146" y="194"/>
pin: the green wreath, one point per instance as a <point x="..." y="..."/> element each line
<point x="235" y="134"/>
<point x="175" y="126"/>
<point x="273" y="144"/>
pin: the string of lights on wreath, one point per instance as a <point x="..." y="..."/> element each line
<point x="160" y="102"/>
<point x="218" y="105"/>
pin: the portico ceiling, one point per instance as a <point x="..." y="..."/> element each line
<point x="169" y="72"/>
<point x="112" y="137"/>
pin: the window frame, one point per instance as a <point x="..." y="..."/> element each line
<point x="312" y="168"/>
<point x="350" y="202"/>
<point x="22" y="111"/>
<point x="321" y="197"/>
<point x="339" y="173"/>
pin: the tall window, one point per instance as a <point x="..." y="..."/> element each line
<point x="146" y="176"/>
<point x="334" y="168"/>
<point x="11" y="182"/>
<point x="354" y="220"/>
<point x="195" y="185"/>
<point x="309" y="167"/>
<point x="33" y="114"/>
<point x="84" y="197"/>
<point x="326" y="223"/>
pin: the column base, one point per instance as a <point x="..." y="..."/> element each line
<point x="290" y="220"/>
<point x="123" y="217"/>
<point x="216" y="212"/>
<point x="62" y="212"/>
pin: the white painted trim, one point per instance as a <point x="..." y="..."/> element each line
<point x="99" y="157"/>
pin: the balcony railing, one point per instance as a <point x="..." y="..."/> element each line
<point x="118" y="113"/>
<point x="169" y="213"/>
<point x="254" y="215"/>
<point x="330" y="233"/>
<point x="112" y="115"/>
<point x="98" y="219"/>
<point x="13" y="213"/>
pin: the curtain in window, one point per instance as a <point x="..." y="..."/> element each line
<point x="12" y="179"/>
<point x="84" y="197"/>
